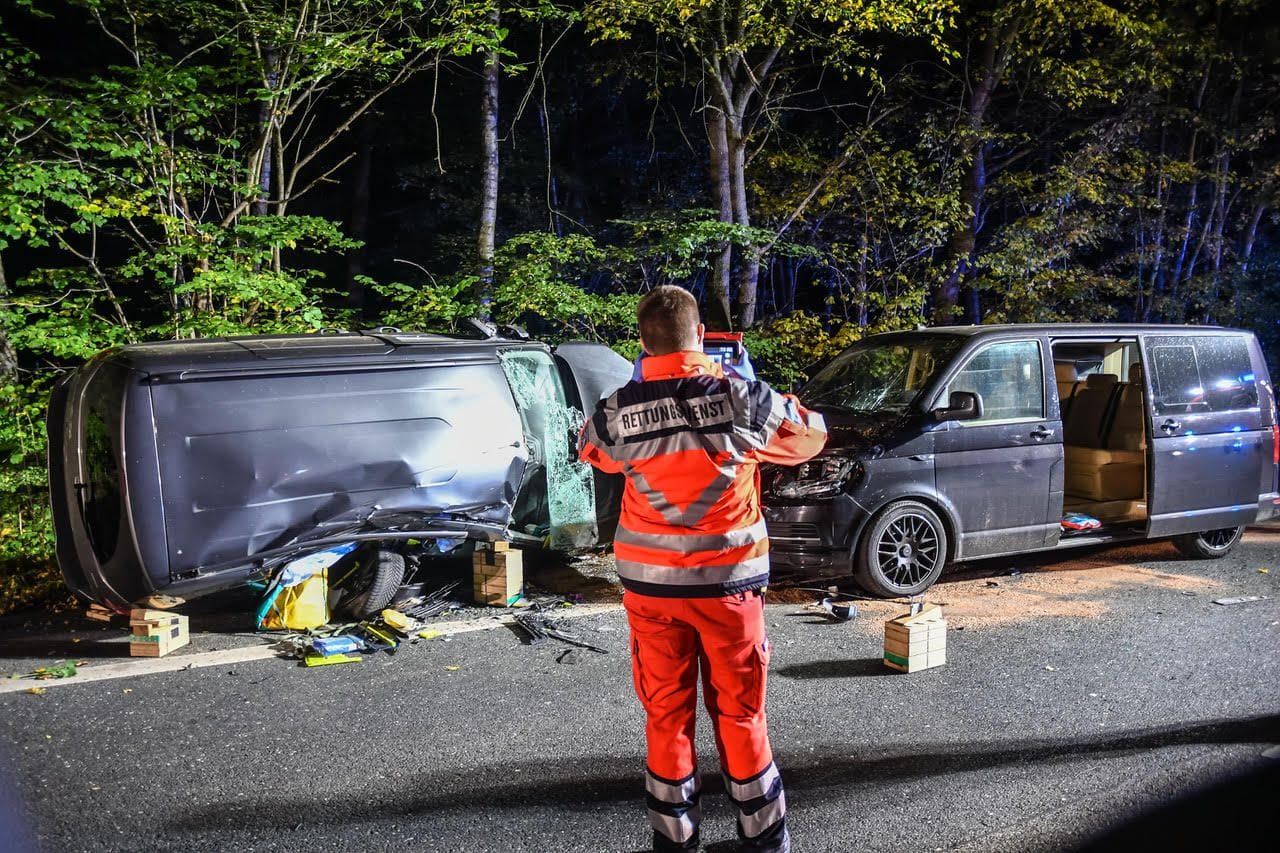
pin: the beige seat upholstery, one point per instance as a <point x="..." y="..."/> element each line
<point x="1065" y="374"/>
<point x="1127" y="431"/>
<point x="1106" y="441"/>
<point x="1089" y="411"/>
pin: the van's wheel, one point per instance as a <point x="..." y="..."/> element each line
<point x="374" y="583"/>
<point x="1210" y="544"/>
<point x="903" y="551"/>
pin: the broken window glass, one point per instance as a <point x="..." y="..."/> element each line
<point x="555" y="480"/>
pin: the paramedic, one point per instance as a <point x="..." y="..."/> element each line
<point x="693" y="557"/>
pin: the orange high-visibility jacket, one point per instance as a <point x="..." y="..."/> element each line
<point x="689" y="442"/>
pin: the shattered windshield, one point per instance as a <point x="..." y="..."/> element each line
<point x="881" y="376"/>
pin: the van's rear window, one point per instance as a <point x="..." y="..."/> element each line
<point x="1195" y="374"/>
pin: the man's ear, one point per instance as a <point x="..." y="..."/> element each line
<point x="644" y="350"/>
<point x="702" y="332"/>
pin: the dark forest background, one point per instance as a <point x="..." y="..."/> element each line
<point x="813" y="171"/>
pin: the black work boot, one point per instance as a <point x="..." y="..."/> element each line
<point x="775" y="839"/>
<point x="662" y="844"/>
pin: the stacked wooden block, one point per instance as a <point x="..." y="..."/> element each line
<point x="155" y="633"/>
<point x="497" y="574"/>
<point x="916" y="641"/>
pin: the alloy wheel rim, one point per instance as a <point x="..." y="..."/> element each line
<point x="1219" y="539"/>
<point x="908" y="550"/>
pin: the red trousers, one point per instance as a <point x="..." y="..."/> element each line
<point x="672" y="641"/>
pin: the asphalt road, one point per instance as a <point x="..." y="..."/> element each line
<point x="1078" y="692"/>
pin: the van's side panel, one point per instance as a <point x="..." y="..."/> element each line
<point x="1207" y="429"/>
<point x="251" y="461"/>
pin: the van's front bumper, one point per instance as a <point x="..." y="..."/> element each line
<point x="819" y="535"/>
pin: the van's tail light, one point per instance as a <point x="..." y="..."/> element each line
<point x="1275" y="445"/>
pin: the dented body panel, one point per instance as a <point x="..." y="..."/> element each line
<point x="191" y="466"/>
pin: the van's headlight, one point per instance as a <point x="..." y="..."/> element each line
<point x="821" y="477"/>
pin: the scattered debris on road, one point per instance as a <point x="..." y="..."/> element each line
<point x="841" y="611"/>
<point x="431" y="604"/>
<point x="539" y="628"/>
<point x="1239" y="599"/>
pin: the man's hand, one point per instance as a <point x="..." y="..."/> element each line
<point x="741" y="370"/>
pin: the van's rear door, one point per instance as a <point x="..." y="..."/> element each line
<point x="1208" y="432"/>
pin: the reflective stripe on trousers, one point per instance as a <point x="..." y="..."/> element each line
<point x="674" y="808"/>
<point x="761" y="801"/>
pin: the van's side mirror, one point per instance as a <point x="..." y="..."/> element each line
<point x="961" y="406"/>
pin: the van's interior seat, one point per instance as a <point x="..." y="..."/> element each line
<point x="1068" y="383"/>
<point x="1089" y="410"/>
<point x="1127" y="433"/>
<point x="1104" y="453"/>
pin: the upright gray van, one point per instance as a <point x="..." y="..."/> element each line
<point x="955" y="443"/>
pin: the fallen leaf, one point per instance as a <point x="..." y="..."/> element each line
<point x="1051" y="669"/>
<point x="429" y="634"/>
<point x="1264" y="571"/>
<point x="36" y="691"/>
<point x="453" y="668"/>
<point x="127" y="690"/>
<point x="65" y="670"/>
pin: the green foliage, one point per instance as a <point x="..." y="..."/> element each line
<point x="838" y="29"/>
<point x="538" y="279"/>
<point x="28" y="574"/>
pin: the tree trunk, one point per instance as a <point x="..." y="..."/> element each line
<point x="996" y="50"/>
<point x="749" y="261"/>
<point x="1250" y="235"/>
<point x="864" y="317"/>
<point x="358" y="225"/>
<point x="963" y="242"/>
<point x="717" y="313"/>
<point x="266" y="178"/>
<point x="553" y="193"/>
<point x="8" y="358"/>
<point x="489" y="182"/>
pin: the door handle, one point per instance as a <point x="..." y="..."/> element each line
<point x="1041" y="432"/>
<point x="1170" y="426"/>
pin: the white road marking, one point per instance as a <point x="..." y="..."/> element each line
<point x="179" y="661"/>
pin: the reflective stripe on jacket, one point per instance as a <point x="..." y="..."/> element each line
<point x="689" y="442"/>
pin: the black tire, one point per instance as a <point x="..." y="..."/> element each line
<point x="373" y="585"/>
<point x="902" y="552"/>
<point x="1208" y="544"/>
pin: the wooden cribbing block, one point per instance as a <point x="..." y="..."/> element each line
<point x="155" y="633"/>
<point x="497" y="575"/>
<point x="916" y="641"/>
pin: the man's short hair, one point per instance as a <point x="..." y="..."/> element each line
<point x="668" y="319"/>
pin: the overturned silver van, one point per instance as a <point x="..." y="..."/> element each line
<point x="188" y="467"/>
